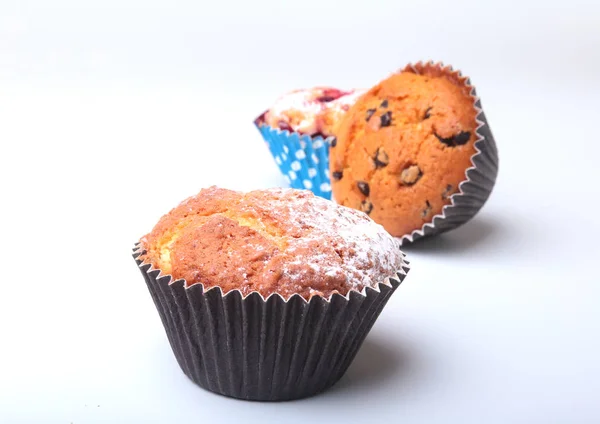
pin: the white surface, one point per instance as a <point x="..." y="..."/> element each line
<point x="111" y="112"/>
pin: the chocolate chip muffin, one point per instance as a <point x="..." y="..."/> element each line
<point x="281" y="241"/>
<point x="404" y="147"/>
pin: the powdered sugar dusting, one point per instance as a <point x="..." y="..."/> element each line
<point x="344" y="102"/>
<point x="306" y="110"/>
<point x="329" y="240"/>
<point x="280" y="240"/>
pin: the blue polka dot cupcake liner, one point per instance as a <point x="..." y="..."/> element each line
<point x="302" y="159"/>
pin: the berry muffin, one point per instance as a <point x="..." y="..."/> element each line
<point x="313" y="112"/>
<point x="298" y="130"/>
<point x="267" y="295"/>
<point x="403" y="149"/>
<point x="271" y="241"/>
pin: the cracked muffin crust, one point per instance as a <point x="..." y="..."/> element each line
<point x="272" y="241"/>
<point x="403" y="148"/>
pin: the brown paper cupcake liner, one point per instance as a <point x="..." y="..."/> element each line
<point x="479" y="178"/>
<point x="264" y="349"/>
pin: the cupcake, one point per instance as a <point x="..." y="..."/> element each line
<point x="415" y="153"/>
<point x="299" y="128"/>
<point x="267" y="295"/>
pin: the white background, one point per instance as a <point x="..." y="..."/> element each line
<point x="111" y="112"/>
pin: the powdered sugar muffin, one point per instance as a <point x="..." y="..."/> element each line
<point x="271" y="241"/>
<point x="267" y="295"/>
<point x="313" y="112"/>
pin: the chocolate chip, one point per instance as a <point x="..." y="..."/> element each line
<point x="427" y="115"/>
<point x="386" y="119"/>
<point x="381" y="158"/>
<point x="366" y="207"/>
<point x="427" y="209"/>
<point x="446" y="193"/>
<point x="334" y="142"/>
<point x="455" y="140"/>
<point x="384" y="104"/>
<point x="337" y="175"/>
<point x="363" y="187"/>
<point x="410" y="175"/>
<point x="462" y="138"/>
<point x="370" y="113"/>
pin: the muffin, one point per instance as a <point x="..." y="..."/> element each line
<point x="313" y="112"/>
<point x="267" y="295"/>
<point x="407" y="147"/>
<point x="298" y="130"/>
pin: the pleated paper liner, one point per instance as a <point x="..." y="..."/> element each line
<point x="302" y="159"/>
<point x="264" y="349"/>
<point x="479" y="178"/>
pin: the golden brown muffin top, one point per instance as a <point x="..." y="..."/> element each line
<point x="403" y="148"/>
<point x="272" y="241"/>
